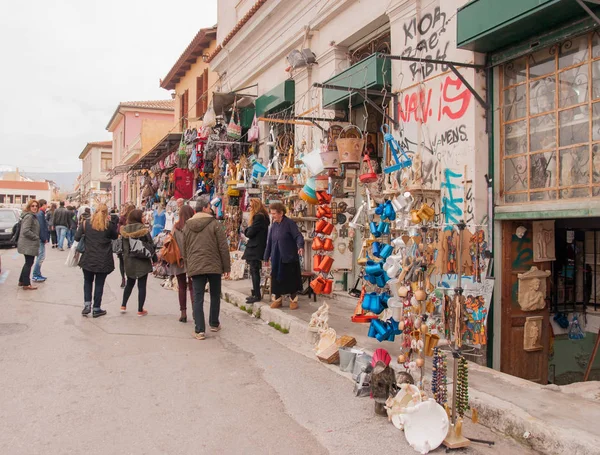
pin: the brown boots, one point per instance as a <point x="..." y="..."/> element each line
<point x="277" y="303"/>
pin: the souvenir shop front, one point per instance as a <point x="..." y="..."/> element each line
<point x="544" y="76"/>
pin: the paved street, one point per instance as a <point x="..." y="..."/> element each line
<point x="129" y="385"/>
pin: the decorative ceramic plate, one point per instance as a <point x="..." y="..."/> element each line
<point x="426" y="426"/>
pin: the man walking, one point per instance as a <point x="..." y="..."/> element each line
<point x="206" y="258"/>
<point x="61" y="224"/>
<point x="44" y="237"/>
<point x="72" y="225"/>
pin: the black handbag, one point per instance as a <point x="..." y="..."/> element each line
<point x="81" y="244"/>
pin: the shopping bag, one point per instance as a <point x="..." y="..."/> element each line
<point x="73" y="256"/>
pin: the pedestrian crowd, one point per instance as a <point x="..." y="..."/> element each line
<point x="195" y="247"/>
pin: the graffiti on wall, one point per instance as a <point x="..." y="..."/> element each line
<point x="424" y="37"/>
<point x="437" y="110"/>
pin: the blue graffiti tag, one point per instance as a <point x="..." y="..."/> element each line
<point x="452" y="212"/>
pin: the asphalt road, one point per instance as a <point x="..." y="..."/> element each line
<point x="122" y="384"/>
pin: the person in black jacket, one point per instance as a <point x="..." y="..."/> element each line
<point x="256" y="232"/>
<point x="97" y="260"/>
<point x="61" y="224"/>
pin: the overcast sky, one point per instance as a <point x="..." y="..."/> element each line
<point x="66" y="65"/>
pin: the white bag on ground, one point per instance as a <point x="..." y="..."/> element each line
<point x="73" y="257"/>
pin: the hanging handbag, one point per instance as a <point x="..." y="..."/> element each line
<point x="210" y="117"/>
<point x="253" y="131"/>
<point x="117" y="246"/>
<point x="234" y="130"/>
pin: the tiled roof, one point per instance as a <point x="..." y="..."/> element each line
<point x="192" y="53"/>
<point x="167" y="105"/>
<point x="156" y="105"/>
<point x="102" y="144"/>
<point x="21" y="185"/>
<point x="237" y="28"/>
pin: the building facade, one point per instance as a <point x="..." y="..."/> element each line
<point x="16" y="193"/>
<point x="96" y="162"/>
<point x="543" y="90"/>
<point x="136" y="126"/>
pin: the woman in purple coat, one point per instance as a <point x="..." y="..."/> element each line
<point x="285" y="245"/>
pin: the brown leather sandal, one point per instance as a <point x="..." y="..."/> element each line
<point x="29" y="288"/>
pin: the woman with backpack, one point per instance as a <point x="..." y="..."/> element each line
<point x="183" y="281"/>
<point x="257" y="231"/>
<point x="138" y="250"/>
<point x="50" y="221"/>
<point x="28" y="243"/>
<point x="97" y="260"/>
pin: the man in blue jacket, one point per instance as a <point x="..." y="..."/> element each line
<point x="44" y="237"/>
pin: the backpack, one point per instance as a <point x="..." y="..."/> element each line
<point x="140" y="249"/>
<point x="16" y="231"/>
<point x="170" y="252"/>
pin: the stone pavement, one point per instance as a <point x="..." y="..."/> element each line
<point x="549" y="419"/>
<point x="124" y="384"/>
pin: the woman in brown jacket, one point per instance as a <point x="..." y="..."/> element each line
<point x="183" y="280"/>
<point x="206" y="257"/>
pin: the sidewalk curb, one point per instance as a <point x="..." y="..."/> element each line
<point x="494" y="413"/>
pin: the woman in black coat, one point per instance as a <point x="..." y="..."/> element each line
<point x="257" y="243"/>
<point x="97" y="260"/>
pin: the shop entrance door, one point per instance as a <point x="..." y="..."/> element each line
<point x="517" y="257"/>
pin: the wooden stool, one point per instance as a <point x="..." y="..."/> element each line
<point x="308" y="277"/>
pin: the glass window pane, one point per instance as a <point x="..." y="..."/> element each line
<point x="542" y="62"/>
<point x="596" y="79"/>
<point x="596" y="163"/>
<point x="574" y="126"/>
<point x="542" y="196"/>
<point x="515" y="174"/>
<point x="543" y="170"/>
<point x="515" y="72"/>
<point x="596" y="44"/>
<point x="515" y="138"/>
<point x="542" y="132"/>
<point x="515" y="198"/>
<point x="515" y="103"/>
<point x="541" y="95"/>
<point x="572" y="193"/>
<point x="575" y="166"/>
<point x="573" y="51"/>
<point x="573" y="86"/>
<point x="596" y="122"/>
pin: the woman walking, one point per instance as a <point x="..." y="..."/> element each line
<point x="285" y="245"/>
<point x="50" y="221"/>
<point x="29" y="242"/>
<point x="183" y="281"/>
<point x="257" y="231"/>
<point x="136" y="268"/>
<point x="97" y="260"/>
<point x="127" y="208"/>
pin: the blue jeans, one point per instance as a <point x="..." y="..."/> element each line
<point x="70" y="237"/>
<point x="61" y="232"/>
<point x="37" y="268"/>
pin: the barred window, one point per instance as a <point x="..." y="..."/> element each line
<point x="550" y="123"/>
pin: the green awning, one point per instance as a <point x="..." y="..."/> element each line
<point x="490" y="25"/>
<point x="246" y="116"/>
<point x="280" y="97"/>
<point x="373" y="73"/>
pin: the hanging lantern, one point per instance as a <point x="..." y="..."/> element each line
<point x="368" y="175"/>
